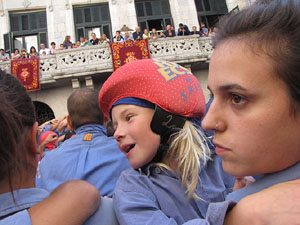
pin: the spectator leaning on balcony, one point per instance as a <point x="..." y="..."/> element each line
<point x="203" y="30"/>
<point x="154" y="34"/>
<point x="127" y="37"/>
<point x="53" y="48"/>
<point x="137" y="35"/>
<point x="146" y="34"/>
<point x="94" y="39"/>
<point x="32" y="52"/>
<point x="67" y="42"/>
<point x="104" y="40"/>
<point x="194" y="31"/>
<point x="24" y="54"/>
<point x="118" y="38"/>
<point x="82" y="41"/>
<point x="44" y="49"/>
<point x="169" y="32"/>
<point x="15" y="54"/>
<point x="3" y="56"/>
<point x="89" y="155"/>
<point x="87" y="42"/>
<point x="183" y="30"/>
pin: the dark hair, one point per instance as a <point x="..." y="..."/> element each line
<point x="32" y="47"/>
<point x="83" y="107"/>
<point x="270" y="27"/>
<point x="52" y="43"/>
<point x="16" y="50"/>
<point x="17" y="115"/>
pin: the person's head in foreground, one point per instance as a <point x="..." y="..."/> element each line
<point x="18" y="135"/>
<point x="153" y="105"/>
<point x="255" y="81"/>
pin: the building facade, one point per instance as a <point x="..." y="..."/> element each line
<point x="27" y="23"/>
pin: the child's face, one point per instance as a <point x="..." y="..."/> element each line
<point x="133" y="133"/>
<point x="257" y="132"/>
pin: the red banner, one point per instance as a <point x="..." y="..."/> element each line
<point x="27" y="71"/>
<point x="129" y="51"/>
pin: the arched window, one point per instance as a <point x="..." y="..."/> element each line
<point x="43" y="112"/>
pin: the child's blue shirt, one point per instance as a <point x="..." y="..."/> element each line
<point x="156" y="196"/>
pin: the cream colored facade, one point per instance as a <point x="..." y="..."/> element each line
<point x="60" y="22"/>
<point x="60" y="19"/>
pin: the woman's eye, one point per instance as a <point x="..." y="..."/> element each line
<point x="236" y="99"/>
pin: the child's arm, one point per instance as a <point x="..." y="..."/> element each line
<point x="70" y="204"/>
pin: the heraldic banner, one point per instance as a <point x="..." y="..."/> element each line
<point x="129" y="51"/>
<point x="27" y="71"/>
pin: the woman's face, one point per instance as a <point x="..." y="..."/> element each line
<point x="133" y="133"/>
<point x="255" y="130"/>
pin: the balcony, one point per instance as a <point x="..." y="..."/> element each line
<point x="97" y="59"/>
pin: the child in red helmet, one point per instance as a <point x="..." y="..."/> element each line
<point x="154" y="106"/>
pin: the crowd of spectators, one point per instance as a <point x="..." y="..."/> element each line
<point x="103" y="40"/>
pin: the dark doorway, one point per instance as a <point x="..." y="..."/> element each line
<point x="157" y="24"/>
<point x="43" y="112"/>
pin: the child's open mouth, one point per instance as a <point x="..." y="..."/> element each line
<point x="129" y="148"/>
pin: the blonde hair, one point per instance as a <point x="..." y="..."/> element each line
<point x="188" y="150"/>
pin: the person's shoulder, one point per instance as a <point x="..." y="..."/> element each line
<point x="132" y="180"/>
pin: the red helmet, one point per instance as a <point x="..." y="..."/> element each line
<point x="166" y="84"/>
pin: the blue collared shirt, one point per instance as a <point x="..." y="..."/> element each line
<point x="24" y="199"/>
<point x="89" y="155"/>
<point x="156" y="196"/>
<point x="267" y="180"/>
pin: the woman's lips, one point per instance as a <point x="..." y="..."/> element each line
<point x="220" y="149"/>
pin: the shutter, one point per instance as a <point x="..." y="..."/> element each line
<point x="96" y="14"/>
<point x="156" y="8"/>
<point x="43" y="38"/>
<point x="8" y="42"/>
<point x="165" y="7"/>
<point x="32" y="21"/>
<point x="106" y="31"/>
<point x="104" y="13"/>
<point x="199" y="5"/>
<point x="42" y="20"/>
<point x="78" y="16"/>
<point x="14" y="23"/>
<point x="25" y="23"/>
<point x="80" y="33"/>
<point x="87" y="15"/>
<point x="143" y="25"/>
<point x="168" y="22"/>
<point x="148" y="8"/>
<point x="207" y="5"/>
<point x="140" y="9"/>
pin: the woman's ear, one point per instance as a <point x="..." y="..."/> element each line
<point x="33" y="139"/>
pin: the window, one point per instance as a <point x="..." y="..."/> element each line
<point x="27" y="29"/>
<point x="90" y="19"/>
<point x="153" y="14"/>
<point x="209" y="11"/>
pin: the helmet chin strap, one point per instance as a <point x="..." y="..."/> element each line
<point x="165" y="124"/>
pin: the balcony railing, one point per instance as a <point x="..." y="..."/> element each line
<point x="97" y="59"/>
